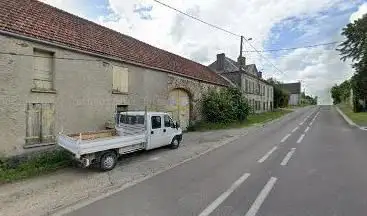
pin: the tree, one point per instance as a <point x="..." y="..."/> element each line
<point x="281" y="96"/>
<point x="355" y="49"/>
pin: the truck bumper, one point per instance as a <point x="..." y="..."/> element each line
<point x="179" y="137"/>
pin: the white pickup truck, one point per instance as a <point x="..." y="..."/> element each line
<point x="134" y="131"/>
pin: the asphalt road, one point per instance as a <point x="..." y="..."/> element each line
<point x="309" y="163"/>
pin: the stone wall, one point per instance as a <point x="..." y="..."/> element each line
<point x="83" y="99"/>
<point x="194" y="88"/>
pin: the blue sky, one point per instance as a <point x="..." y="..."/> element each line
<point x="308" y="30"/>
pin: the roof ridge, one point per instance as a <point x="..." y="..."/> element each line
<point x="120" y="45"/>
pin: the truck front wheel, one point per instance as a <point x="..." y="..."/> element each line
<point x="175" y="143"/>
<point x="108" y="161"/>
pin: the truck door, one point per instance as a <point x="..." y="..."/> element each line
<point x="168" y="129"/>
<point x="156" y="134"/>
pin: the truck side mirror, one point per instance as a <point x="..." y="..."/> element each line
<point x="177" y="125"/>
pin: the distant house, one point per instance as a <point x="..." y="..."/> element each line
<point x="295" y="92"/>
<point x="59" y="71"/>
<point x="258" y="91"/>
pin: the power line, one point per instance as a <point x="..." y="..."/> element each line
<point x="197" y="19"/>
<point x="261" y="55"/>
<point x="294" y="48"/>
<point x="219" y="28"/>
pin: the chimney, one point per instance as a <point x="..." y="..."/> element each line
<point x="260" y="74"/>
<point x="241" y="61"/>
<point x="220" y="61"/>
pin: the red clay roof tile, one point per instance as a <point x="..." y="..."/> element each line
<point x="38" y="20"/>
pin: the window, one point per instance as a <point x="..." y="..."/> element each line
<point x="246" y="85"/>
<point x="167" y="121"/>
<point x="156" y="122"/>
<point x="42" y="70"/>
<point x="40" y="123"/>
<point x="263" y="93"/>
<point x="131" y="119"/>
<point x="258" y="88"/>
<point x="121" y="108"/>
<point x="120" y="79"/>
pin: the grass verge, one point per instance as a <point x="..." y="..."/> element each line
<point x="12" y="169"/>
<point x="358" y="118"/>
<point x="251" y="120"/>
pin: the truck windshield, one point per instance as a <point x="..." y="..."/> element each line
<point x="132" y="119"/>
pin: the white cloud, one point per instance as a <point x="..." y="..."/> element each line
<point x="166" y="29"/>
<point x="358" y="14"/>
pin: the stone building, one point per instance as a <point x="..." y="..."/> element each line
<point x="61" y="72"/>
<point x="294" y="90"/>
<point x="258" y="91"/>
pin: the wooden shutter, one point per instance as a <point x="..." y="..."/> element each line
<point x="47" y="123"/>
<point x="42" y="67"/>
<point x="33" y="127"/>
<point x="120" y="79"/>
<point x="40" y="123"/>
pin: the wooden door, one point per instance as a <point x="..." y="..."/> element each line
<point x="179" y="107"/>
<point x="40" y="123"/>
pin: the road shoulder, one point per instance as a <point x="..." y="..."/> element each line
<point x="348" y="120"/>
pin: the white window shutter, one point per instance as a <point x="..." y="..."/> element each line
<point x="42" y="67"/>
<point x="120" y="79"/>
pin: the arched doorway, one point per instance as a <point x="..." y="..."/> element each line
<point x="179" y="106"/>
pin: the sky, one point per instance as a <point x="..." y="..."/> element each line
<point x="272" y="24"/>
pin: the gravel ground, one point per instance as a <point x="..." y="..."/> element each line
<point x="45" y="194"/>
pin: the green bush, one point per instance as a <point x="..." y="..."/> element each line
<point x="224" y="106"/>
<point x="21" y="167"/>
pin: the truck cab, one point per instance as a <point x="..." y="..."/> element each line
<point x="160" y="129"/>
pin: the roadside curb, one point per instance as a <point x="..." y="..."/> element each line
<point x="347" y="119"/>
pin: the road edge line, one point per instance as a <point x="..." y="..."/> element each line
<point x="346" y="118"/>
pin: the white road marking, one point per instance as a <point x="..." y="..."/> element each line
<point x="285" y="138"/>
<point x="154" y="158"/>
<point x="261" y="197"/>
<point x="294" y="130"/>
<point x="305" y="119"/>
<point x="300" y="138"/>
<point x="288" y="157"/>
<point x="267" y="155"/>
<point x="224" y="195"/>
<point x="307" y="128"/>
<point x="311" y="123"/>
<point x="301" y="123"/>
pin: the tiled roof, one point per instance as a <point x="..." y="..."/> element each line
<point x="231" y="66"/>
<point x="41" y="21"/>
<point x="293" y="88"/>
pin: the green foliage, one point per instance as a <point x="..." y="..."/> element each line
<point x="281" y="96"/>
<point x="17" y="168"/>
<point x="308" y="100"/>
<point x="355" y="49"/>
<point x="224" y="106"/>
<point x="341" y="93"/>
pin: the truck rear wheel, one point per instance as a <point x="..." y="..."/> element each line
<point x="108" y="161"/>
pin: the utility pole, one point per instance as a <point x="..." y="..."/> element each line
<point x="241" y="51"/>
